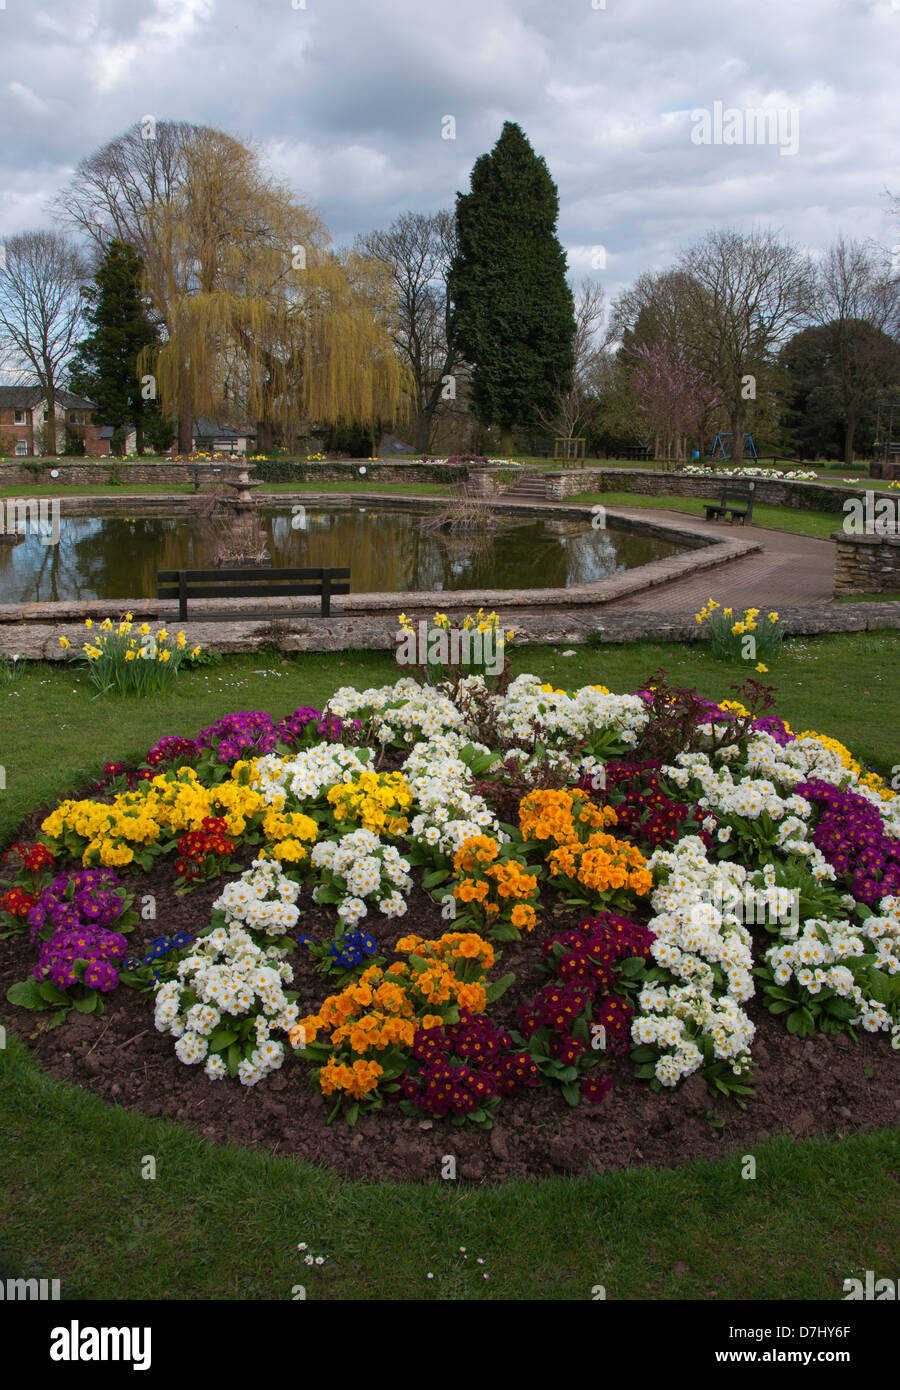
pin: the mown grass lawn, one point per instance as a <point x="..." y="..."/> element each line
<point x="820" y="524"/>
<point x="220" y="1222"/>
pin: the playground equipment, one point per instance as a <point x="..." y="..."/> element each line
<point x="722" y="446"/>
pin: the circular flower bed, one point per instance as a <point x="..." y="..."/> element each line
<point x="444" y="901"/>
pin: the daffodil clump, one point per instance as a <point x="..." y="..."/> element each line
<point x="131" y="660"/>
<point x="749" y="638"/>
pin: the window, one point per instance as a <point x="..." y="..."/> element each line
<point x="21" y="448"/>
<point x="19" y="417"/>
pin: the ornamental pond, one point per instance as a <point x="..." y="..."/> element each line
<point x="116" y="557"/>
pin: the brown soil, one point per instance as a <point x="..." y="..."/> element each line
<point x="829" y="1085"/>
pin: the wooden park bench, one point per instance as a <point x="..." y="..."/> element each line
<point x="733" y="493"/>
<point x="186" y="585"/>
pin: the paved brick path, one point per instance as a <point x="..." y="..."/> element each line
<point x="791" y="571"/>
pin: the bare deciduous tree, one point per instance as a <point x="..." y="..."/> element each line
<point x="857" y="296"/>
<point x="418" y="249"/>
<point x="749" y="292"/>
<point x="41" y="310"/>
<point x="576" y="404"/>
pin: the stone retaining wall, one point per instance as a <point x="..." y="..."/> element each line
<point x="866" y="564"/>
<point x="770" y="491"/>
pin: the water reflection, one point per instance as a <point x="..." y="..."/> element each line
<point x="387" y="551"/>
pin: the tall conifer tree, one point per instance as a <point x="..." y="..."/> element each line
<point x="105" y="368"/>
<point x="512" y="312"/>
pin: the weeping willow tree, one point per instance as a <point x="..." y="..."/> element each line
<point x="263" y="320"/>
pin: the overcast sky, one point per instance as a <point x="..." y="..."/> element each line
<point x="347" y="100"/>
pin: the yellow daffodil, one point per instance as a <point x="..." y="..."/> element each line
<point x="739" y="628"/>
<point x="128" y="618"/>
<point x="161" y="635"/>
<point x="144" y="629"/>
<point x="180" y="640"/>
<point x="195" y="651"/>
<point x="762" y="669"/>
<point x="88" y="622"/>
<point x="698" y="617"/>
<point x="107" y="625"/>
<point x="64" y="642"/>
<point x="164" y="656"/>
<point x="727" y="612"/>
<point x="773" y="617"/>
<point x="129" y="656"/>
<point x="712" y="605"/>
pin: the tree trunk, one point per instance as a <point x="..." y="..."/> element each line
<point x="264" y="437"/>
<point x="139" y="436"/>
<point x="185" y="434"/>
<point x="50" y="445"/>
<point x="737" y="439"/>
<point x="423" y="433"/>
<point x="506" y="440"/>
<point x="848" y="438"/>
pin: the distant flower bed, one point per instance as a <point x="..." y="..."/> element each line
<point x="747" y="471"/>
<point x="659" y="859"/>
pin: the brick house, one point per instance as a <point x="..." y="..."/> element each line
<point x="23" y="416"/>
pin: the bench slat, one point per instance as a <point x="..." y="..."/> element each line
<point x="192" y="591"/>
<point x="172" y="576"/>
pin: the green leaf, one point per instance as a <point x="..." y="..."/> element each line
<point x="27" y="995"/>
<point x="222" y="1038"/>
<point x="572" y="1094"/>
<point x="434" y="878"/>
<point x="494" y="990"/>
<point x="233" y="1059"/>
<point x="88" y="1004"/>
<point x="48" y="990"/>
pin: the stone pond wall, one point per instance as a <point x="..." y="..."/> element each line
<point x="81" y="474"/>
<point x="866" y="564"/>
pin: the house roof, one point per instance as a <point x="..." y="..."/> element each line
<point x="26" y="397"/>
<point x="204" y="428"/>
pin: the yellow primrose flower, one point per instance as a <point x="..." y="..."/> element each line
<point x="64" y="642"/>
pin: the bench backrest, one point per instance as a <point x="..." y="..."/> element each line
<point x="252" y="583"/>
<point x="740" y="493"/>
